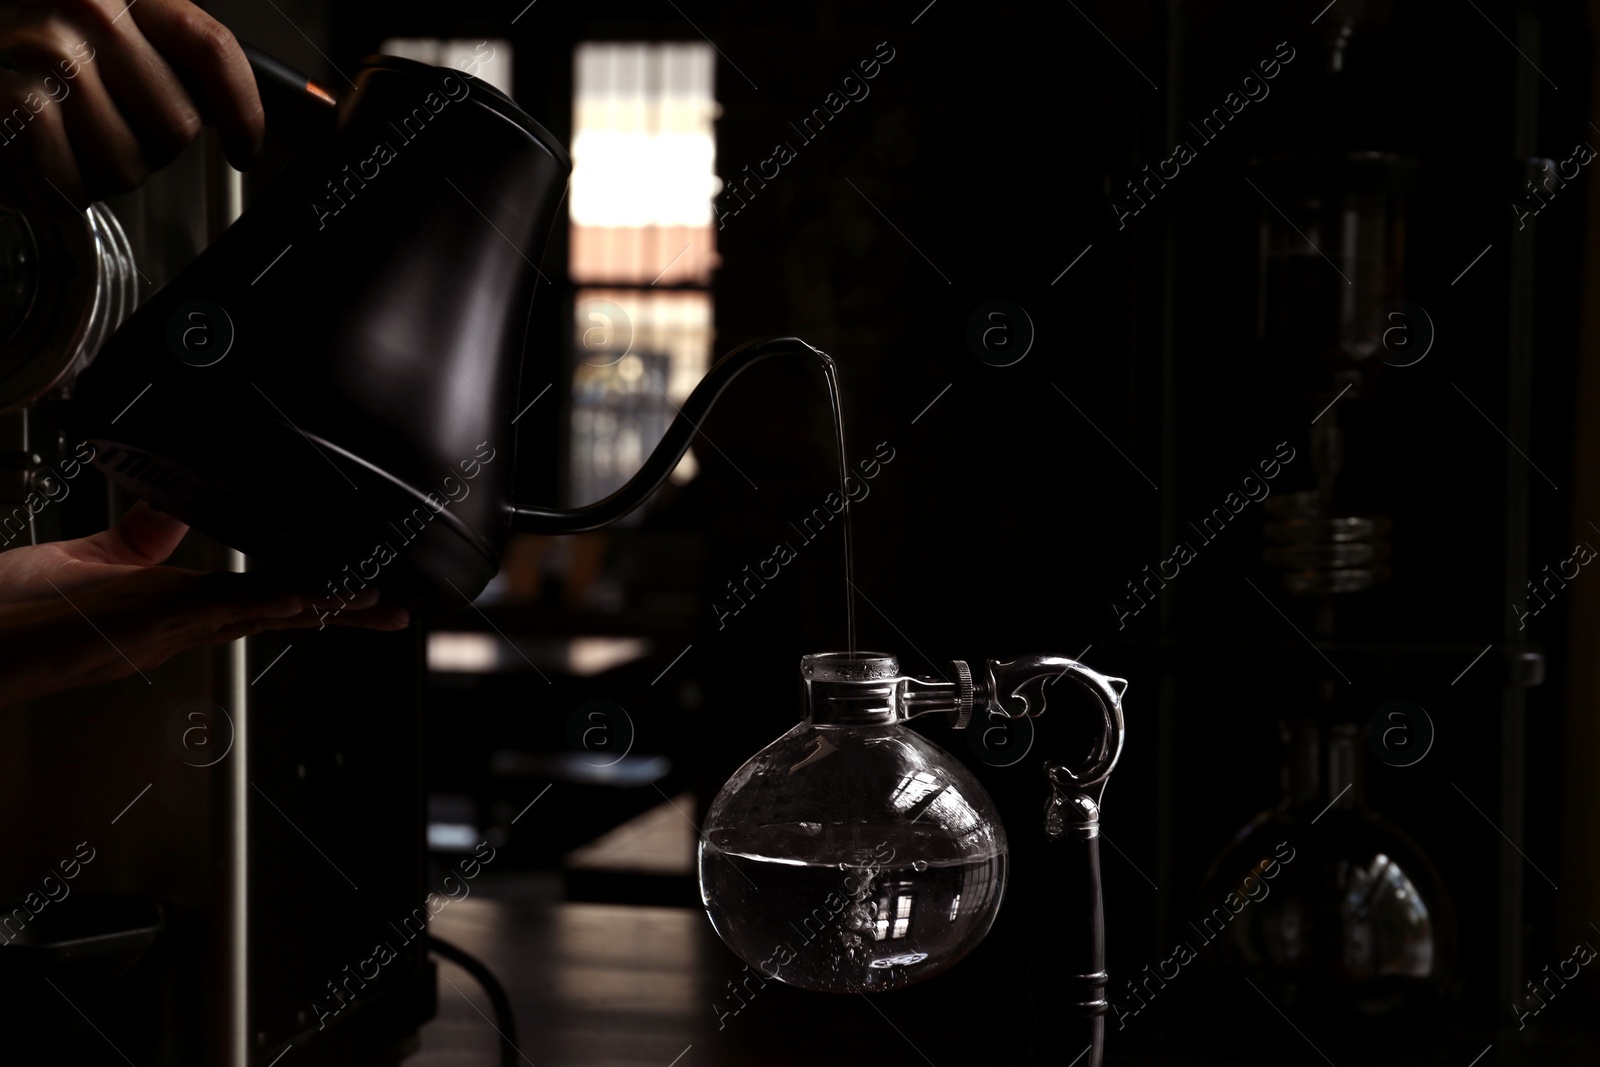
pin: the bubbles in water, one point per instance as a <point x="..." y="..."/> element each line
<point x="868" y="926"/>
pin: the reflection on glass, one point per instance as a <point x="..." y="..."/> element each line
<point x="875" y="866"/>
<point x="1326" y="904"/>
<point x="911" y="789"/>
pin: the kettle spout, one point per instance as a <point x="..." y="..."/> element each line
<point x="674" y="443"/>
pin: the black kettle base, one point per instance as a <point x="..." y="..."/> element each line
<point x="419" y="554"/>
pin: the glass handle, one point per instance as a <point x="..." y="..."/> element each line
<point x="1021" y="686"/>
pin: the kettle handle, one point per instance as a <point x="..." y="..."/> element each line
<point x="674" y="443"/>
<point x="295" y="106"/>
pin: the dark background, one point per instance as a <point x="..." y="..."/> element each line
<point x="979" y="168"/>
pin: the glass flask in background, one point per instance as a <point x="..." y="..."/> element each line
<point x="1326" y="905"/>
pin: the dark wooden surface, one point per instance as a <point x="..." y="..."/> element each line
<point x="609" y="985"/>
<point x="592" y="984"/>
<point x="605" y="985"/>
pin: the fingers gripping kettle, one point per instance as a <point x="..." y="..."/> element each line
<point x="331" y="385"/>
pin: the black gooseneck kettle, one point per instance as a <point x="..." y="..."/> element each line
<point x="331" y="385"/>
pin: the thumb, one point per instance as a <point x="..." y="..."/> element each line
<point x="144" y="537"/>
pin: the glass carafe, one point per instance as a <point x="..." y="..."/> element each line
<point x="852" y="854"/>
<point x="1323" y="902"/>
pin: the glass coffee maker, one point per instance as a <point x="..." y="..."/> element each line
<point x="852" y="855"/>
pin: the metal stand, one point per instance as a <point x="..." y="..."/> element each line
<point x="1069" y="955"/>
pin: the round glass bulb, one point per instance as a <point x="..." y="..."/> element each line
<point x="852" y="856"/>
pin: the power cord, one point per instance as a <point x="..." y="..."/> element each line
<point x="505" y="1021"/>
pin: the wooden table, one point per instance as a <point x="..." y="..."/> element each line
<point x="605" y="985"/>
<point x="608" y="985"/>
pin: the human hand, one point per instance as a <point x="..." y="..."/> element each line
<point x="75" y="613"/>
<point x="97" y="94"/>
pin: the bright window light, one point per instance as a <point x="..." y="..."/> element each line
<point x="486" y="58"/>
<point x="642" y="147"/>
<point x="643" y="247"/>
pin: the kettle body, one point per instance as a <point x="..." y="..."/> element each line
<point x="331" y="386"/>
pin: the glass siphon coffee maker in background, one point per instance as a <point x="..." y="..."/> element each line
<point x="1339" y="913"/>
<point x="1354" y="923"/>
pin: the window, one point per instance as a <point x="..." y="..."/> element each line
<point x="642" y="251"/>
<point x="893" y="908"/>
<point x="489" y="59"/>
